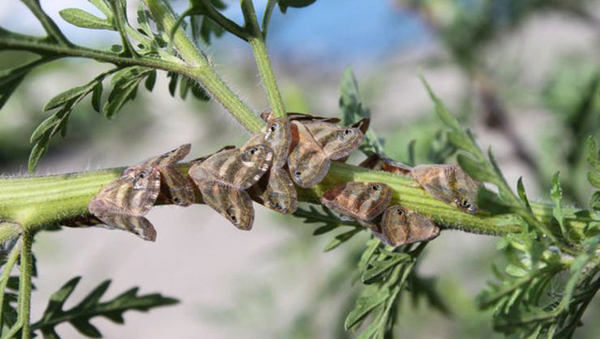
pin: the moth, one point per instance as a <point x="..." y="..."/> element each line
<point x="278" y="135"/>
<point x="315" y="143"/>
<point x="399" y="226"/>
<point x="276" y="189"/>
<point x="224" y="176"/>
<point x="359" y="200"/>
<point x="381" y="163"/>
<point x="176" y="186"/>
<point x="450" y="184"/>
<point x="123" y="203"/>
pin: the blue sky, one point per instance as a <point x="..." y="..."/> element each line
<point x="344" y="31"/>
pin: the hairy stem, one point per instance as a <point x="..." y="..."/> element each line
<point x="25" y="284"/>
<point x="8" y="267"/>
<point x="259" y="48"/>
<point x="200" y="69"/>
<point x="34" y="202"/>
<point x="23" y="323"/>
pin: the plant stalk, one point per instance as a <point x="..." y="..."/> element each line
<point x="8" y="267"/>
<point x="35" y="202"/>
<point x="200" y="69"/>
<point x="259" y="49"/>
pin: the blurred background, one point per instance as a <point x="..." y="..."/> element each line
<point x="523" y="74"/>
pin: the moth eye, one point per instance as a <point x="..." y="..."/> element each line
<point x="231" y="214"/>
<point x="465" y="203"/>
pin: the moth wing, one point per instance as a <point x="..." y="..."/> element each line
<point x="276" y="191"/>
<point x="336" y="141"/>
<point x="240" y="168"/>
<point x="137" y="225"/>
<point x="401" y="226"/>
<point x="363" y="125"/>
<point x="134" y="193"/>
<point x="252" y="163"/>
<point x="178" y="188"/>
<point x="381" y="163"/>
<point x="421" y="227"/>
<point x="170" y="158"/>
<point x="201" y="159"/>
<point x="433" y="178"/>
<point x="307" y="162"/>
<point x="307" y="117"/>
<point x="359" y="200"/>
<point x="278" y="135"/>
<point x="235" y="205"/>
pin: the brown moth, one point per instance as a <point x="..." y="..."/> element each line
<point x="400" y="226"/>
<point x="450" y="184"/>
<point x="381" y="163"/>
<point x="358" y="200"/>
<point x="276" y="191"/>
<point x="336" y="141"/>
<point x="177" y="187"/>
<point x="123" y="202"/>
<point x="224" y="176"/>
<point x="307" y="162"/>
<point x="278" y="135"/>
<point x="239" y="167"/>
<point x="235" y="205"/>
<point x="315" y="144"/>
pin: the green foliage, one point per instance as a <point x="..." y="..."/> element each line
<point x="90" y="307"/>
<point x="352" y="111"/>
<point x="125" y="80"/>
<point x="593" y="176"/>
<point x="331" y="222"/>
<point x="83" y="19"/>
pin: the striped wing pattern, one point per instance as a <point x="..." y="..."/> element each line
<point x="359" y="200"/>
<point x="400" y="226"/>
<point x="122" y="203"/>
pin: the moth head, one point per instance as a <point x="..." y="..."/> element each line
<point x="466" y="204"/>
<point x="256" y="154"/>
<point x="276" y="202"/>
<point x="348" y="133"/>
<point x="142" y="176"/>
<point x="234" y="215"/>
<point x="394" y="225"/>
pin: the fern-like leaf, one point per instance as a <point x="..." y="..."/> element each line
<point x="90" y="307"/>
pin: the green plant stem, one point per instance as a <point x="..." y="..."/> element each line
<point x="8" y="267"/>
<point x="259" y="49"/>
<point x="194" y="65"/>
<point x="35" y="202"/>
<point x="24" y="301"/>
<point x="199" y="68"/>
<point x="25" y="284"/>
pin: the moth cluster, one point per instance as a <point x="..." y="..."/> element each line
<point x="297" y="150"/>
<point x="287" y="151"/>
<point x="368" y="203"/>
